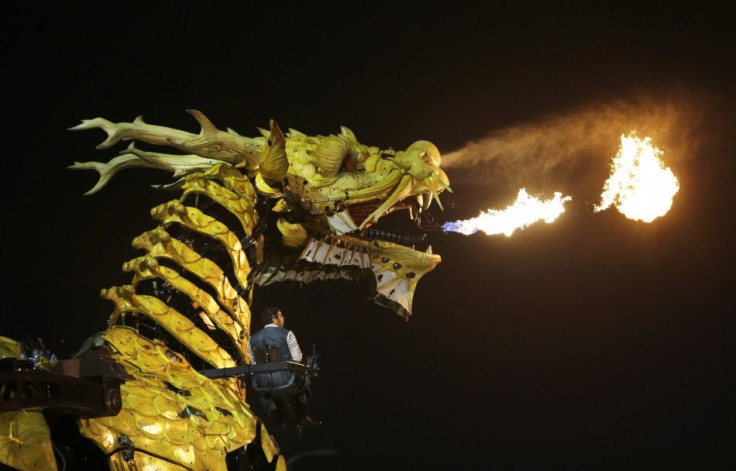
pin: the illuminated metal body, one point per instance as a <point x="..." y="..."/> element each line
<point x="252" y="211"/>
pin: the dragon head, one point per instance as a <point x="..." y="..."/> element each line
<point x="331" y="190"/>
<point x="336" y="175"/>
<point x="322" y="196"/>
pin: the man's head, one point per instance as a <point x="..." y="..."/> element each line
<point x="272" y="315"/>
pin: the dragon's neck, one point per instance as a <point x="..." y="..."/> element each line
<point x="191" y="288"/>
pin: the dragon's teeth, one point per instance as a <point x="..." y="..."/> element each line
<point x="428" y="200"/>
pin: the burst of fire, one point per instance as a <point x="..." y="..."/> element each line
<point x="640" y="186"/>
<point x="525" y="211"/>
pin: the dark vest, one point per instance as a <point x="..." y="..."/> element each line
<point x="268" y="337"/>
<point x="272" y="336"/>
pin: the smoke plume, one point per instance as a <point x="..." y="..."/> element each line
<point x="574" y="150"/>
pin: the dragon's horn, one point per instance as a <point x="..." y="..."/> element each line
<point x="273" y="163"/>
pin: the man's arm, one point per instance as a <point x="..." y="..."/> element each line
<point x="296" y="352"/>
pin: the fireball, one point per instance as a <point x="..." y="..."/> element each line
<point x="640" y="186"/>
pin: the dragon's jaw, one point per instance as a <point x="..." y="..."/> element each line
<point x="395" y="269"/>
<point x="344" y="244"/>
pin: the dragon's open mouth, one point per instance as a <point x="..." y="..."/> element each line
<point x="359" y="212"/>
<point x="422" y="221"/>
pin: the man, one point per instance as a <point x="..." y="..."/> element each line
<point x="279" y="388"/>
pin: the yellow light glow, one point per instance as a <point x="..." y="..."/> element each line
<point x="185" y="454"/>
<point x="108" y="440"/>
<point x="640" y="186"/>
<point x="525" y="211"/>
<point x="151" y="429"/>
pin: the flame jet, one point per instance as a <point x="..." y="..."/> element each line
<point x="526" y="210"/>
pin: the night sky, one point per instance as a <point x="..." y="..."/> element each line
<point x="594" y="342"/>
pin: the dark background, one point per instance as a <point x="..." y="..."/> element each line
<point x="595" y="342"/>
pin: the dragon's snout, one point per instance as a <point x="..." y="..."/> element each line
<point x="422" y="178"/>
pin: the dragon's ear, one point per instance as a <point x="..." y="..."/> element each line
<point x="273" y="162"/>
<point x="329" y="155"/>
<point x="348" y="134"/>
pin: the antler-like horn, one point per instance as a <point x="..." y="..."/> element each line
<point x="132" y="158"/>
<point x="209" y="143"/>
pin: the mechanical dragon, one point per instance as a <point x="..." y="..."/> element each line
<point x="250" y="212"/>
